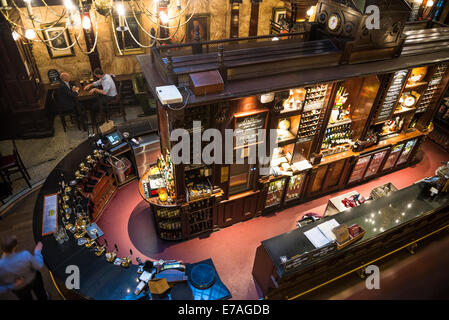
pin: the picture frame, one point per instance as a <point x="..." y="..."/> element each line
<point x="131" y="47"/>
<point x="62" y="41"/>
<point x="278" y="14"/>
<point x="203" y="21"/>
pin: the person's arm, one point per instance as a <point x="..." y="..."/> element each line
<point x="37" y="261"/>
<point x="98" y="91"/>
<point x="93" y="84"/>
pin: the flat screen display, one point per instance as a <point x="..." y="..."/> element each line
<point x="114" y="138"/>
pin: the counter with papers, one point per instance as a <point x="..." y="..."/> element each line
<point x="306" y="257"/>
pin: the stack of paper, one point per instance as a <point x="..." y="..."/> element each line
<point x="322" y="234"/>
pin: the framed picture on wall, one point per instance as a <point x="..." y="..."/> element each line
<point x="200" y="22"/>
<point x="124" y="39"/>
<point x="279" y="14"/>
<point x="59" y="40"/>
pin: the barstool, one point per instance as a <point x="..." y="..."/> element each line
<point x="11" y="164"/>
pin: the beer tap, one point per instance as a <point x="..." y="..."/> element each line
<point x="110" y="256"/>
<point x="125" y="262"/>
<point x="99" y="249"/>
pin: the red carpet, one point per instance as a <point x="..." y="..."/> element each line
<point x="232" y="249"/>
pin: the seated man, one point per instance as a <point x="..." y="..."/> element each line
<point x="65" y="96"/>
<point x="66" y="93"/>
<point x="108" y="91"/>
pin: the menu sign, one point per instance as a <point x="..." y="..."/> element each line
<point x="392" y="96"/>
<point x="246" y="129"/>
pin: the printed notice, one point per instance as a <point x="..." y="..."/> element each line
<point x="50" y="219"/>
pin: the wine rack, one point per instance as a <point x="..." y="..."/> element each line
<point x="169" y="223"/>
<point x="433" y="86"/>
<point x="337" y="138"/>
<point x="200" y="215"/>
<point x="313" y="104"/>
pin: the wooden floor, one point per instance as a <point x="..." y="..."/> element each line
<point x="19" y="221"/>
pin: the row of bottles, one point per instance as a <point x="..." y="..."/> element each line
<point x="177" y="235"/>
<point x="201" y="227"/>
<point x="200" y="215"/>
<point x="174" y="225"/>
<point x="200" y="204"/>
<point x="166" y="169"/>
<point x="337" y="135"/>
<point x="434" y="85"/>
<point x="309" y="123"/>
<point x="167" y="213"/>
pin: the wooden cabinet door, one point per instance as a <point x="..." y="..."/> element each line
<point x="233" y="212"/>
<point x="334" y="174"/>
<point x="250" y="206"/>
<point x="317" y="180"/>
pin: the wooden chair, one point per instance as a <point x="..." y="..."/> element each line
<point x="73" y="113"/>
<point x="116" y="104"/>
<point x="11" y="164"/>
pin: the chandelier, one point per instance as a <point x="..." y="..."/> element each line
<point x="76" y="14"/>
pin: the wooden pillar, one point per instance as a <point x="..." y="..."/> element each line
<point x="89" y="36"/>
<point x="254" y="19"/>
<point x="235" y="7"/>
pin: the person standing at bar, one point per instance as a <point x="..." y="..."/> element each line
<point x="106" y="94"/>
<point x="19" y="271"/>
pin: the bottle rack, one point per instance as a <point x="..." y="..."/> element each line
<point x="433" y="86"/>
<point x="313" y="104"/>
<point x="337" y="138"/>
<point x="200" y="215"/>
<point x="169" y="223"/>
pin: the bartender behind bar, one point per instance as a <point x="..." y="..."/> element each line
<point x="106" y="94"/>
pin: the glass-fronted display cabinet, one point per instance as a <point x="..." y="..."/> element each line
<point x="393" y="157"/>
<point x="275" y="192"/>
<point x="294" y="188"/>
<point x="359" y="169"/>
<point x="376" y="162"/>
<point x="406" y="153"/>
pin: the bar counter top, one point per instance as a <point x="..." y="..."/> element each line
<point x="376" y="216"/>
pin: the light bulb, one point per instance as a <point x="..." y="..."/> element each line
<point x="30" y="34"/>
<point x="120" y="9"/>
<point x="164" y="17"/>
<point x="15" y="35"/>
<point x="86" y="22"/>
<point x="69" y="5"/>
<point x="310" y="11"/>
<point x="429" y="3"/>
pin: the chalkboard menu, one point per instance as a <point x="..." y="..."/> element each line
<point x="392" y="96"/>
<point x="53" y="75"/>
<point x="246" y="129"/>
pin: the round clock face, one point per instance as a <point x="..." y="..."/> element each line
<point x="409" y="101"/>
<point x="334" y="22"/>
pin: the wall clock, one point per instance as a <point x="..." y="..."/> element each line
<point x="334" y="22"/>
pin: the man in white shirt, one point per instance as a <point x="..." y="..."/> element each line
<point x="107" y="92"/>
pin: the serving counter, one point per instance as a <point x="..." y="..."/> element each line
<point x="99" y="279"/>
<point x="391" y="223"/>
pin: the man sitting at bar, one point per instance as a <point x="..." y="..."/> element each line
<point x="106" y="94"/>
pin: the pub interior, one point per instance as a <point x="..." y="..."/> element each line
<point x="351" y="119"/>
